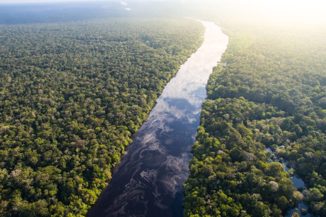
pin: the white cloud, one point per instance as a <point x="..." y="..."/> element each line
<point x="123" y="3"/>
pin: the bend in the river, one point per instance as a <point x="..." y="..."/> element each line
<point x="149" y="180"/>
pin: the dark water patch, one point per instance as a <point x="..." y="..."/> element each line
<point x="301" y="208"/>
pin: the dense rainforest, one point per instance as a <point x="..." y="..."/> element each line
<point x="71" y="97"/>
<point x="267" y="96"/>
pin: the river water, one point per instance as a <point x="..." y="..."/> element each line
<point x="149" y="180"/>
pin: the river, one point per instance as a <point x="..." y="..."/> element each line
<point x="149" y="181"/>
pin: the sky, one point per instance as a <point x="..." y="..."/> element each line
<point x="300" y="11"/>
<point x="50" y="1"/>
<point x="36" y="1"/>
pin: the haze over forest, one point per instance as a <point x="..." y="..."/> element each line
<point x="163" y="108"/>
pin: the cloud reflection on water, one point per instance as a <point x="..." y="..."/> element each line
<point x="149" y="180"/>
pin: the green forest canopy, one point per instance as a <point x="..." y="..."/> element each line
<point x="269" y="91"/>
<point x="71" y="96"/>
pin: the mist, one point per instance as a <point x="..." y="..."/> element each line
<point x="280" y="13"/>
<point x="263" y="12"/>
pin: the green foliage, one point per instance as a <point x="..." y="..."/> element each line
<point x="269" y="91"/>
<point x="71" y="97"/>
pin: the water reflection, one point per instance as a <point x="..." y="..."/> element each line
<point x="149" y="180"/>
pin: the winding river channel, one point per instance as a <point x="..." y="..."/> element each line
<point x="149" y="180"/>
